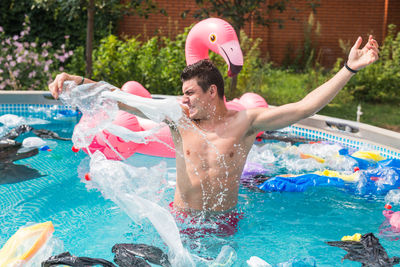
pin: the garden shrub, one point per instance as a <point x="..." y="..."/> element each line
<point x="250" y="78"/>
<point x="114" y="60"/>
<point x="26" y="65"/>
<point x="52" y="20"/>
<point x="76" y="64"/>
<point x="173" y="61"/>
<point x="156" y="63"/>
<point x="378" y="83"/>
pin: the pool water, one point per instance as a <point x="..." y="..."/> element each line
<point x="277" y="227"/>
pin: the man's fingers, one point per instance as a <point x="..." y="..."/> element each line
<point x="357" y="43"/>
<point x="53" y="90"/>
<point x="56" y="86"/>
<point x="371" y="57"/>
<point x="372" y="42"/>
<point x="374" y="55"/>
<point x="375" y="43"/>
<point x="60" y="82"/>
<point x="375" y="49"/>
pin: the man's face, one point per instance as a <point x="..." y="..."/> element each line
<point x="196" y="100"/>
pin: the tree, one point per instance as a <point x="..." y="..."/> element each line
<point x="116" y="8"/>
<point x="240" y="12"/>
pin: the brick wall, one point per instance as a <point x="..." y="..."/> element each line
<point x="340" y="19"/>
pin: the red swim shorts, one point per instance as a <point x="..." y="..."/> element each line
<point x="220" y="224"/>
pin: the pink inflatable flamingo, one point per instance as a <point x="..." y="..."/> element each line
<point x="218" y="36"/>
<point x="394" y="219"/>
<point x="210" y="34"/>
<point x="112" y="146"/>
<point x="390" y="228"/>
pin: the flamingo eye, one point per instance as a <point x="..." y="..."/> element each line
<point x="213" y="38"/>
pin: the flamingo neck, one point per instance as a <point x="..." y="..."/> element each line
<point x="196" y="51"/>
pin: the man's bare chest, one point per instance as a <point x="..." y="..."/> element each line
<point x="211" y="147"/>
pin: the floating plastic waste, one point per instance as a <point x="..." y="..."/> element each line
<point x="390" y="228"/>
<point x="381" y="179"/>
<point x="299" y="183"/>
<point x="31" y="143"/>
<point x="98" y="112"/>
<point x="10" y="121"/>
<point x="131" y="191"/>
<point x="29" y="246"/>
<point x="368" y="251"/>
<point x="255" y="261"/>
<point x="393" y="197"/>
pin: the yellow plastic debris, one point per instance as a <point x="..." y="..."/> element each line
<point x="24" y="244"/>
<point x="355" y="237"/>
<point x="309" y="156"/>
<point x="374" y="155"/>
<point x="346" y="177"/>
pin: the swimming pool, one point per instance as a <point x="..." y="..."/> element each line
<point x="277" y="226"/>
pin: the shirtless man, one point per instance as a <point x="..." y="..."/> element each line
<point x="212" y="143"/>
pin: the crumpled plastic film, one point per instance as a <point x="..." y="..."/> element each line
<point x="155" y="109"/>
<point x="393" y="197"/>
<point x="98" y="112"/>
<point x="128" y="135"/>
<point x="134" y="191"/>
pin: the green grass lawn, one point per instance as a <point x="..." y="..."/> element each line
<point x="381" y="115"/>
<point x="281" y="87"/>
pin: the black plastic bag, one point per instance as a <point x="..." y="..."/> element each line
<point x="129" y="252"/>
<point x="66" y="258"/>
<point x="368" y="251"/>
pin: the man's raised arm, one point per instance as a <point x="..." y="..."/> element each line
<point x="276" y="118"/>
<point x="156" y="110"/>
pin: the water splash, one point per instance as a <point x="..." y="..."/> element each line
<point x="134" y="190"/>
<point x="98" y="113"/>
<point x="130" y="188"/>
<point x="155" y="110"/>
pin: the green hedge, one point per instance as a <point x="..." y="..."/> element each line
<point x="158" y="63"/>
<point x="26" y="65"/>
<point x="380" y="82"/>
<point x="52" y="21"/>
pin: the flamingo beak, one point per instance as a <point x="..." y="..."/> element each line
<point x="233" y="56"/>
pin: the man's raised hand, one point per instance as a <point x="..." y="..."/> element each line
<point x="360" y="58"/>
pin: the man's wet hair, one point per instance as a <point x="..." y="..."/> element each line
<point x="206" y="74"/>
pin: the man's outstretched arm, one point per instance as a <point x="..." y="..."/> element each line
<point x="56" y="88"/>
<point x="276" y="118"/>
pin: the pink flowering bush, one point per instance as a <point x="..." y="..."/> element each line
<point x="28" y="65"/>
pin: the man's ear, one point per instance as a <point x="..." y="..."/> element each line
<point x="213" y="90"/>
